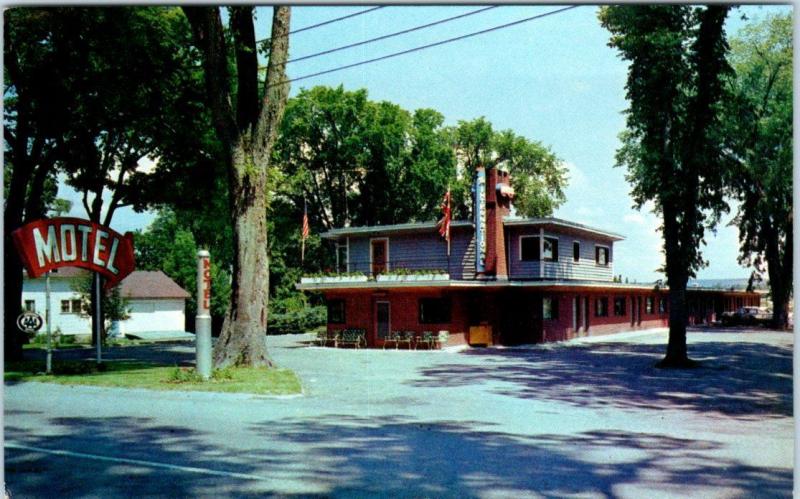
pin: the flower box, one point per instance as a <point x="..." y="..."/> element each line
<point x="333" y="279"/>
<point x="412" y="277"/>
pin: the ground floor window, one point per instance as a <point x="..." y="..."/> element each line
<point x="649" y="305"/>
<point x="434" y="310"/>
<point x="336" y="312"/>
<point x="601" y="307"/>
<point x="30" y="306"/>
<point x="549" y="308"/>
<point x="619" y="305"/>
<point x="71" y="307"/>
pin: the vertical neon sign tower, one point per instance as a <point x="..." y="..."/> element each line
<point x="479" y="214"/>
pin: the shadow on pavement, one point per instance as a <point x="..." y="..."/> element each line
<point x="735" y="378"/>
<point x="346" y="456"/>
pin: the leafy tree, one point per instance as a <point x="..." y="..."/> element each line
<point x="101" y="88"/>
<point x="247" y="132"/>
<point x="115" y="307"/>
<point x="168" y="246"/>
<point x="361" y="162"/>
<point x="758" y="124"/>
<point x="537" y="174"/>
<point x="672" y="145"/>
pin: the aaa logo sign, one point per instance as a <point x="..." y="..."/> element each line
<point x="51" y="243"/>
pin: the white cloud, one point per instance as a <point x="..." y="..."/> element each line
<point x="634" y="218"/>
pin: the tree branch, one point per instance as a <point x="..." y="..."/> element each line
<point x="244" y="37"/>
<point x="277" y="85"/>
<point x="210" y="39"/>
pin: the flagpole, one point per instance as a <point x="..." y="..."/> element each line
<point x="303" y="234"/>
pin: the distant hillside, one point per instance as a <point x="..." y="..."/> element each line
<point x="736" y="284"/>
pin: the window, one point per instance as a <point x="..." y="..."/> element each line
<point x="601" y="307"/>
<point x="434" y="310"/>
<point x="576" y="251"/>
<point x="662" y="305"/>
<point x="71" y="306"/>
<point x="529" y="248"/>
<point x="30" y="306"/>
<point x="550" y="252"/>
<point x="336" y="312"/>
<point x="549" y="308"/>
<point x="619" y="305"/>
<point x="341" y="257"/>
<point x="601" y="255"/>
<point x="648" y="305"/>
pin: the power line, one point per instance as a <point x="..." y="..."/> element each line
<point x="423" y="47"/>
<point x="391" y="35"/>
<point x="329" y="21"/>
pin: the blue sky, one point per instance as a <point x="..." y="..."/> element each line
<point x="553" y="80"/>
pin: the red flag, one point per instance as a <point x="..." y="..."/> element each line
<point x="444" y="223"/>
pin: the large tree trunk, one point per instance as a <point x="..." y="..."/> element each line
<point x="242" y="339"/>
<point x="249" y="132"/>
<point x="780" y="277"/>
<point x="677" y="354"/>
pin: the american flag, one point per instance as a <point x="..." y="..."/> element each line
<point x="305" y="224"/>
<point x="304" y="232"/>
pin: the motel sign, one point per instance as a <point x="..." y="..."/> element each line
<point x="47" y="244"/>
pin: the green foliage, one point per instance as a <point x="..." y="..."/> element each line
<point x="115" y="307"/>
<point x="170" y="247"/>
<point x="297" y="321"/>
<point x="672" y="147"/>
<point x="758" y="126"/>
<point x="537" y="174"/>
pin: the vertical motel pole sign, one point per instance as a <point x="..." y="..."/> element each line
<point x="48" y="244"/>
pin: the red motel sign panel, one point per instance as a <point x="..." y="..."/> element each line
<point x="51" y="243"/>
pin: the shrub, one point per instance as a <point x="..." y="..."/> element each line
<point x="297" y="322"/>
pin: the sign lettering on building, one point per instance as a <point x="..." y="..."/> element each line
<point x="479" y="189"/>
<point x="48" y="244"/>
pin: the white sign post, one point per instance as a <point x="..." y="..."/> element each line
<point x="203" y="318"/>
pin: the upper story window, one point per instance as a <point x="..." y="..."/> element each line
<point x="576" y="251"/>
<point x="550" y="249"/>
<point x="529" y="248"/>
<point x="342" y="257"/>
<point x="601" y="255"/>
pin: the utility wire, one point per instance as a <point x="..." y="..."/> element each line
<point x="391" y="35"/>
<point x="422" y="47"/>
<point x="329" y="21"/>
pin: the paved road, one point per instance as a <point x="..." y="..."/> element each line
<point x="591" y="419"/>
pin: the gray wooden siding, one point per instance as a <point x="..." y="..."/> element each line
<point x="420" y="251"/>
<point x="565" y="267"/>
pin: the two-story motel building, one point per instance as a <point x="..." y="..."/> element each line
<point x="506" y="280"/>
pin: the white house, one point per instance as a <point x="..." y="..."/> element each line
<point x="155" y="302"/>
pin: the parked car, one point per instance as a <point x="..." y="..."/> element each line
<point x="747" y="315"/>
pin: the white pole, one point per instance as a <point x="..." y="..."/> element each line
<point x="49" y="364"/>
<point x="203" y="318"/>
<point x="98" y="313"/>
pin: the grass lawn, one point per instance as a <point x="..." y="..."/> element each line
<point x="154" y="377"/>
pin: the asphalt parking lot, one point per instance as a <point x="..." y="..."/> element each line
<point x="588" y="419"/>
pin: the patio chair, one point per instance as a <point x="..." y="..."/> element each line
<point x="426" y="339"/>
<point x="393" y="337"/>
<point x="441" y="339"/>
<point x="407" y="338"/>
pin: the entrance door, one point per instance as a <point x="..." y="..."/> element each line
<point x="378" y="256"/>
<point x="575" y="306"/>
<point x="585" y="314"/>
<point x="382" y="321"/>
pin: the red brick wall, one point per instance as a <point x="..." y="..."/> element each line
<point x="404" y="313"/>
